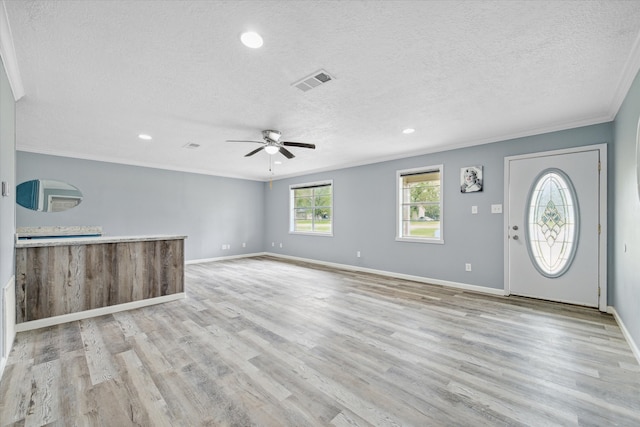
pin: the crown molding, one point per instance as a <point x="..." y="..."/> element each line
<point x="629" y="72"/>
<point x="129" y="162"/>
<point x="8" y="55"/>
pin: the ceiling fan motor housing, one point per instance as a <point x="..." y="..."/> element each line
<point x="271" y="135"/>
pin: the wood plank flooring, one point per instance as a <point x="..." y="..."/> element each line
<point x="264" y="342"/>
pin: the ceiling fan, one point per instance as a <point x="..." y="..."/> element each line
<point x="272" y="144"/>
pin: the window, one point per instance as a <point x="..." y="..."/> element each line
<point x="420" y="204"/>
<point x="312" y="208"/>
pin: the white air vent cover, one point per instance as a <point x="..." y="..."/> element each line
<point x="191" y="145"/>
<point x="315" y="79"/>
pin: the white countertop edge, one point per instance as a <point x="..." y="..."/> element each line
<point x="71" y="241"/>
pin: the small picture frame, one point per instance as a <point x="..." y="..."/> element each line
<point x="471" y="179"/>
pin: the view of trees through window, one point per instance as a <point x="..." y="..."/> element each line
<point x="312" y="209"/>
<point x="420" y="204"/>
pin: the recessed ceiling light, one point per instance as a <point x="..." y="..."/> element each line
<point x="145" y="137"/>
<point x="407" y="131"/>
<point x="277" y="162"/>
<point x="251" y="39"/>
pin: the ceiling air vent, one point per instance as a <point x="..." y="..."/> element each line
<point x="191" y="145"/>
<point x="315" y="79"/>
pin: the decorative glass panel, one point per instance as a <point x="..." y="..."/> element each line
<point x="552" y="223"/>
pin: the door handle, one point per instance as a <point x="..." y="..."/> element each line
<point x="515" y="237"/>
<point x="515" y="227"/>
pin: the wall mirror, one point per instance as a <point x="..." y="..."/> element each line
<point x="47" y="195"/>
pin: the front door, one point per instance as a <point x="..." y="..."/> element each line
<point x="553" y="218"/>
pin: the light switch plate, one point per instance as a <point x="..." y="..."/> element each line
<point x="474" y="209"/>
<point x="496" y="209"/>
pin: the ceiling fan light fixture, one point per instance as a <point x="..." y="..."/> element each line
<point x="271" y="149"/>
<point x="407" y="131"/>
<point x="251" y="39"/>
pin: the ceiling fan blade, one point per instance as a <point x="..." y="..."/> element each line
<point x="288" y="154"/>
<point x="299" y="144"/>
<point x="254" y="151"/>
<point x="244" y="140"/>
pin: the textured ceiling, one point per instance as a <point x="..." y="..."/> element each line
<point x="98" y="73"/>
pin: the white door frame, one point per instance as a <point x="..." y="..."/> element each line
<point x="602" y="261"/>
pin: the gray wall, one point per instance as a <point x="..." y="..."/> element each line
<point x="132" y="200"/>
<point x="365" y="213"/>
<point x="626" y="215"/>
<point x="7" y="204"/>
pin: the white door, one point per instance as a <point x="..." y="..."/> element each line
<point x="553" y="219"/>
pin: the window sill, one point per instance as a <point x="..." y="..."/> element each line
<point x="418" y="240"/>
<point x="302" y="233"/>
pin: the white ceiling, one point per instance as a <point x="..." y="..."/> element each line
<point x="98" y="73"/>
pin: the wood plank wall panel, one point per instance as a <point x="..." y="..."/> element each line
<point x="57" y="280"/>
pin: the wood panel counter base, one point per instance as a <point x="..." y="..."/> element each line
<point x="54" y="280"/>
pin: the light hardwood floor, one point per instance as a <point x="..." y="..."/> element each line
<point x="260" y="341"/>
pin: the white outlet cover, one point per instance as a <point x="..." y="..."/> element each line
<point x="496" y="209"/>
<point x="474" y="209"/>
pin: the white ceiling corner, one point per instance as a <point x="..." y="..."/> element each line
<point x="8" y="55"/>
<point x="628" y="74"/>
<point x="95" y="74"/>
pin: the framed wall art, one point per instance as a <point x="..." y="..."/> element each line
<point x="471" y="179"/>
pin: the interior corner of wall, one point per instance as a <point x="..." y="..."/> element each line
<point x="9" y="320"/>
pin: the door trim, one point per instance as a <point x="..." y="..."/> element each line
<point x="602" y="202"/>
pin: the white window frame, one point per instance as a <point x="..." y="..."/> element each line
<point x="399" y="203"/>
<point x="292" y="208"/>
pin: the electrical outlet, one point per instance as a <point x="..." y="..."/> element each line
<point x="474" y="209"/>
<point x="358" y="254"/>
<point x="467" y="267"/>
<point x="273" y="244"/>
<point x="244" y="245"/>
<point x="280" y="244"/>
<point x="496" y="209"/>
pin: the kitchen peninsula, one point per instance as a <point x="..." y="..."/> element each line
<point x="69" y="278"/>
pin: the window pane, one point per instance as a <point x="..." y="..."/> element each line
<point x="323" y="191"/>
<point x="422" y="228"/>
<point x="303" y="225"/>
<point x="303" y="202"/>
<point x="302" y="192"/>
<point x="322" y="220"/>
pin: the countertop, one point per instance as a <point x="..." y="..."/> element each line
<point x="91" y="240"/>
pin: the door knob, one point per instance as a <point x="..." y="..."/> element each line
<point x="515" y="227"/>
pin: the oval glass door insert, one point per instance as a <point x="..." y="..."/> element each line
<point x="552" y="223"/>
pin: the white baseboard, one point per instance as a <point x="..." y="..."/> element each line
<point x="449" y="284"/>
<point x="8" y="332"/>
<point x="634" y="347"/>
<point x="223" y="258"/>
<point x="56" y="320"/>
